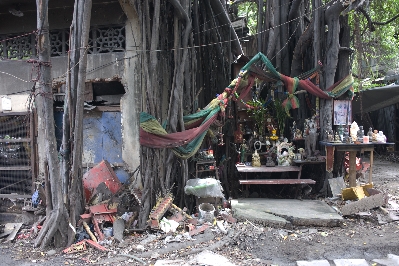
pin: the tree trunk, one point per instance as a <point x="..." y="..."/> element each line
<point x="260" y="26"/>
<point x="56" y="224"/>
<point x="172" y="86"/>
<point x="284" y="38"/>
<point x="77" y="202"/>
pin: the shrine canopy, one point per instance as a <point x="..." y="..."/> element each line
<point x="338" y="89"/>
<point x="375" y="98"/>
<point x="186" y="143"/>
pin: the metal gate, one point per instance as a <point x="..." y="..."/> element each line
<point x="17" y="153"/>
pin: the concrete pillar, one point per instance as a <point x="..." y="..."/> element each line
<point x="131" y="101"/>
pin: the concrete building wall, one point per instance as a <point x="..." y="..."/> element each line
<point x="60" y="16"/>
<point x="131" y="101"/>
<point x="16" y="75"/>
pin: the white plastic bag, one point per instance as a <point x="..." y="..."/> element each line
<point x="204" y="188"/>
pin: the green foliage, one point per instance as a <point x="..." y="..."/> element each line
<point x="380" y="47"/>
<point x="281" y="114"/>
<point x="249" y="10"/>
<point x="258" y="113"/>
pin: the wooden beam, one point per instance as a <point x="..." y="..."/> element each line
<point x="277" y="181"/>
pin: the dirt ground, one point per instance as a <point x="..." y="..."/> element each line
<point x="370" y="235"/>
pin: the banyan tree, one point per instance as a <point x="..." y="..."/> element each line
<point x="188" y="49"/>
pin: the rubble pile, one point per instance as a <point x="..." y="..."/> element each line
<point x="107" y="232"/>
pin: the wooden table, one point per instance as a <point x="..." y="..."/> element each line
<point x="353" y="149"/>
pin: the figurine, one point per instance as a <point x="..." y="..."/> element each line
<point x="238" y="134"/>
<point x="243" y="149"/>
<point x="285" y="154"/>
<point x="337" y="139"/>
<point x="328" y="133"/>
<point x="340" y="132"/>
<point x="353" y="131"/>
<point x="360" y="134"/>
<point x="256" y="159"/>
<point x="330" y="137"/>
<point x="273" y="137"/>
<point x="374" y="136"/>
<point x="270" y="162"/>
<point x="293" y="130"/>
<point x="298" y="134"/>
<point x="381" y="137"/>
<point x="370" y="134"/>
<point x="346" y="138"/>
<point x="302" y="152"/>
<point x="311" y="137"/>
<point x="283" y="159"/>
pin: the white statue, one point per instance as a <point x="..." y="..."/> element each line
<point x="381" y="137"/>
<point x="311" y="136"/>
<point x="353" y="131"/>
<point x="285" y="154"/>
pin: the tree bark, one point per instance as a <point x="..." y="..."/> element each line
<point x="284" y="38"/>
<point x="260" y="26"/>
<point x="225" y="20"/>
<point x="169" y="78"/>
<point x="271" y="39"/>
<point x="56" y="214"/>
<point x="77" y="202"/>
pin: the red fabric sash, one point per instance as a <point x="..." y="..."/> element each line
<point x="176" y="139"/>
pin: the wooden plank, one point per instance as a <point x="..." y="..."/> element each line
<point x="13" y="113"/>
<point x="276" y="181"/>
<point x="264" y="169"/>
<point x="308" y="162"/>
<point x="108" y="108"/>
<point x="91" y="165"/>
<point x="15" y="168"/>
<point x="15" y="196"/>
<point x="88" y="94"/>
<point x="15" y="140"/>
<point x="354" y="148"/>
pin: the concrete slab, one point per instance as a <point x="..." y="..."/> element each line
<point x="391" y="260"/>
<point x="313" y="263"/>
<point x="351" y="262"/>
<point x="364" y="204"/>
<point x="286" y="212"/>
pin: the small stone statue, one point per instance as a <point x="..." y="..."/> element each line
<point x="360" y="134"/>
<point x="270" y="162"/>
<point x="256" y="159"/>
<point x="337" y="138"/>
<point x="346" y="138"/>
<point x="370" y="134"/>
<point x="330" y="137"/>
